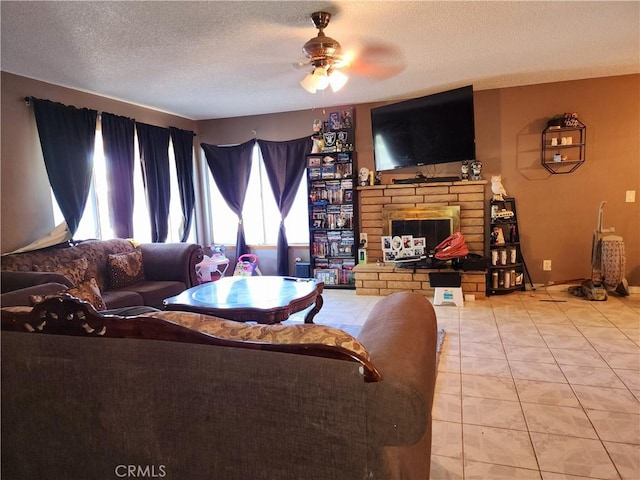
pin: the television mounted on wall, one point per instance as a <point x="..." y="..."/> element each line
<point x="429" y="130"/>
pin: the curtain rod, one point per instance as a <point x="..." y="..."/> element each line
<point x="29" y="101"/>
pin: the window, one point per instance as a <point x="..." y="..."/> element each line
<point x="260" y="213"/>
<point x="95" y="222"/>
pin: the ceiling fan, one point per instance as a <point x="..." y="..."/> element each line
<point x="324" y="55"/>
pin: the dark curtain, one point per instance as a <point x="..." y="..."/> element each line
<point x="67" y="136"/>
<point x="230" y="167"/>
<point x="118" y="143"/>
<point x="154" y="156"/>
<point x="285" y="163"/>
<point x="183" y="152"/>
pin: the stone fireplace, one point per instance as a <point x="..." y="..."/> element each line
<point x="460" y="204"/>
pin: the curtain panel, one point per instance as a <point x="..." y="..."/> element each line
<point x="183" y="152"/>
<point x="285" y="163"/>
<point x="67" y="137"/>
<point x="154" y="156"/>
<point x="118" y="144"/>
<point x="230" y="167"/>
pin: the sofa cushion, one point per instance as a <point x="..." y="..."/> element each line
<point x="154" y="292"/>
<point x="121" y="298"/>
<point x="274" y="334"/>
<point x="87" y="291"/>
<point x="75" y="270"/>
<point x="125" y="268"/>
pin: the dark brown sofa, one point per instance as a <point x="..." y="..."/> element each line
<point x="189" y="396"/>
<point x="169" y="269"/>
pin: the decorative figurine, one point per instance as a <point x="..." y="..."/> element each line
<point x="496" y="187"/>
<point x="363" y="177"/>
<point x="476" y="170"/>
<point x="318" y="142"/>
<point x="465" y="170"/>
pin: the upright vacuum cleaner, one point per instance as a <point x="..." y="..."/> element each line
<point x="607" y="265"/>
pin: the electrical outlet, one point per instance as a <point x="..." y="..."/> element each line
<point x="546" y="265"/>
<point x="630" y="197"/>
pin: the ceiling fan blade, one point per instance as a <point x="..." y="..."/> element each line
<point x="379" y="61"/>
<point x="301" y="64"/>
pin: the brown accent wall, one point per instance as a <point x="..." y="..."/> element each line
<point x="557" y="213"/>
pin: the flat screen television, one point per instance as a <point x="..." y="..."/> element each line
<point x="434" y="129"/>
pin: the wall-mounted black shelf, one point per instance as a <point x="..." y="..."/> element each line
<point x="566" y="157"/>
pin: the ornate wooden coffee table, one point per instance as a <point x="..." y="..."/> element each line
<point x="261" y="299"/>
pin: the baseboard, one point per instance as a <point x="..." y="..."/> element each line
<point x="561" y="287"/>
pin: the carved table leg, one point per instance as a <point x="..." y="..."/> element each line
<point x="316" y="308"/>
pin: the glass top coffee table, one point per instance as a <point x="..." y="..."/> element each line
<point x="261" y="299"/>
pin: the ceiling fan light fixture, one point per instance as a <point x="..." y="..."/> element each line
<point x="320" y="78"/>
<point x="337" y="80"/>
<point x="308" y="83"/>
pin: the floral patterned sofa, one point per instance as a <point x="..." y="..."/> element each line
<point x="109" y="274"/>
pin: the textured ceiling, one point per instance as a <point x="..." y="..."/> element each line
<point x="213" y="59"/>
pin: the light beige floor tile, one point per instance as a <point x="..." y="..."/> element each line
<point x="561" y="476"/>
<point x="568" y="342"/>
<point x="628" y="361"/>
<point x="449" y="363"/>
<point x="546" y="393"/>
<point x="499" y="446"/>
<point x="446" y="468"/>
<point x="480" y="336"/>
<point x="449" y="439"/>
<point x="564" y="329"/>
<point x="631" y="378"/>
<point x="606" y="399"/>
<point x="500" y="388"/>
<point x="447" y="407"/>
<point x="529" y="354"/>
<point x="616" y="427"/>
<point x="633" y="334"/>
<point x="626" y="459"/>
<point x="595" y="376"/>
<point x="485" y="366"/>
<point x="614" y="345"/>
<point x="589" y="320"/>
<point x="602" y="332"/>
<point x="482" y="350"/>
<point x="558" y="420"/>
<point x="485" y="471"/>
<point x="543" y="372"/>
<point x="587" y="358"/>
<point x="493" y="413"/>
<point x="449" y="383"/>
<point x="573" y="456"/>
<point x="542" y="318"/>
<point x="510" y="328"/>
<point x="525" y="340"/>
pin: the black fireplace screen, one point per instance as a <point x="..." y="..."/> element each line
<point x="433" y="230"/>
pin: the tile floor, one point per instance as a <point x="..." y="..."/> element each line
<point x="533" y="385"/>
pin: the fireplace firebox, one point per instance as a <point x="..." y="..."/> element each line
<point x="434" y="223"/>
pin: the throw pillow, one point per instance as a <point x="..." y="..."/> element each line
<point x="87" y="291"/>
<point x="75" y="270"/>
<point x="125" y="268"/>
